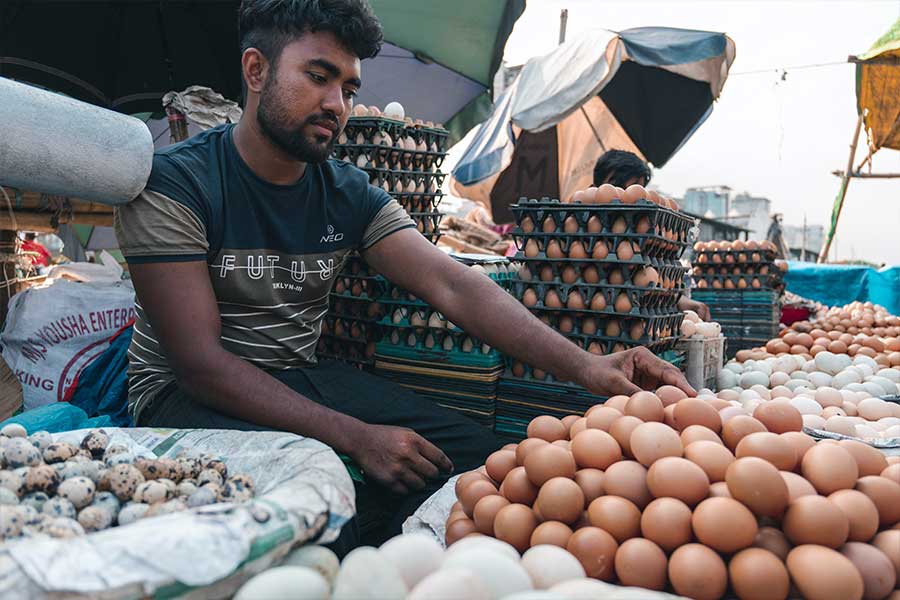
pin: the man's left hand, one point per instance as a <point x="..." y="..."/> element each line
<point x="701" y="309"/>
<point x="631" y="371"/>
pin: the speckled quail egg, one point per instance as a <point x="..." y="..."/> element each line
<point x="95" y="442"/>
<point x="108" y="501"/>
<point x="7" y="497"/>
<point x="151" y="492"/>
<point x="4" y="440"/>
<point x="19" y="453"/>
<point x="131" y="512"/>
<point x="40" y="439"/>
<point x="189" y="468"/>
<point x="98" y="472"/>
<point x="29" y="515"/>
<point x="11" y="521"/>
<point x="167" y="508"/>
<point x="217" y="465"/>
<point x="59" y="452"/>
<point x="12" y="482"/>
<point x="114" y="449"/>
<point x="36" y="500"/>
<point x="170" y="485"/>
<point x="122" y="480"/>
<point x="70" y="469"/>
<point x="42" y="478"/>
<point x="207" y="494"/>
<point x="236" y="490"/>
<point x="77" y="490"/>
<point x="150" y="468"/>
<point x="244" y="480"/>
<point x="209" y="476"/>
<point x="37" y="526"/>
<point x="187" y="488"/>
<point x="64" y="528"/>
<point x="95" y="518"/>
<point x="120" y="458"/>
<point x="14" y="430"/>
<point x="59" y="507"/>
<point x="171" y="469"/>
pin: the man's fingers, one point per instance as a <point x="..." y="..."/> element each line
<point x="398" y="488"/>
<point x="674" y="377"/>
<point x="424" y="467"/>
<point x="621" y="385"/>
<point x="435" y="455"/>
<point x="412" y="480"/>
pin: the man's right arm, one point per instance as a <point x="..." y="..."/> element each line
<point x="181" y="307"/>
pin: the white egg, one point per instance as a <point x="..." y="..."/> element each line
<point x="735" y="368"/>
<point x="501" y="574"/>
<point x="752" y="378"/>
<point x="751" y="405"/>
<point x="828" y="396"/>
<point x="729" y="394"/>
<point x="365" y="574"/>
<point x="451" y="584"/>
<point x="842" y="425"/>
<point x="890" y="374"/>
<point x="415" y="555"/>
<point x="778" y="378"/>
<point x="806" y="406"/>
<point x="318" y="558"/>
<point x="394" y="110"/>
<point x="301" y="583"/>
<point x="874" y="409"/>
<point x="865" y="370"/>
<point x="827" y="362"/>
<point x="548" y="565"/>
<point x="533" y="595"/>
<point x="803" y="375"/>
<point x="726" y="378"/>
<point x="864" y="431"/>
<point x="820" y="379"/>
<point x="793" y="384"/>
<point x="688" y="328"/>
<point x="892" y="432"/>
<point x="887" y="385"/>
<point x="691" y="316"/>
<point x="845" y="378"/>
<point x="482" y="542"/>
<point x="813" y="421"/>
<point x="780" y="391"/>
<point x="591" y="589"/>
<point x="730" y="412"/>
<point x="857" y="387"/>
<point x="861" y="359"/>
<point x="890" y="421"/>
<point x="763" y="391"/>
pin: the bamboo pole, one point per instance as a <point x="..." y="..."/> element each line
<point x="858" y="175"/>
<point x="42" y="222"/>
<point x="842" y="193"/>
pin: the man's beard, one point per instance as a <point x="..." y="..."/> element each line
<point x="272" y="118"/>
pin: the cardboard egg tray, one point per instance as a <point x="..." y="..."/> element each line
<point x="671" y="276"/>
<point x="644" y="301"/>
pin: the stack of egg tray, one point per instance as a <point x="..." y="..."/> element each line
<point x="423" y="351"/>
<point x="749" y="318"/>
<point x="404" y="160"/>
<point x="737" y="269"/>
<point x="350" y="329"/>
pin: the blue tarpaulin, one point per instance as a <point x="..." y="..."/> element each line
<point x="102" y="387"/>
<point x="837" y="285"/>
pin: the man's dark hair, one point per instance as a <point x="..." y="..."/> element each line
<point x="270" y="25"/>
<point x="618" y="167"/>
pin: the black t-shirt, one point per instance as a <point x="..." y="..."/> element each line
<point x="272" y="250"/>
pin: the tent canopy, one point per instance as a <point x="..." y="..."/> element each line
<point x="645" y="90"/>
<point x="878" y="90"/>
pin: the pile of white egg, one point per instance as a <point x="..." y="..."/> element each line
<point x="695" y="327"/>
<point x="833" y="392"/>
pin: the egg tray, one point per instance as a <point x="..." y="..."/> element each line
<point x="654" y="322"/>
<point x="428" y="224"/>
<point x="389" y="157"/>
<point x="643" y="298"/>
<point x="351" y="307"/>
<point x="418" y="203"/>
<point x="336" y="350"/>
<point x="357" y="286"/>
<point x="396" y="296"/>
<point x="649" y="246"/>
<point x="452" y="360"/>
<point x="659" y="219"/>
<point x="653" y="342"/>
<point x="378" y="177"/>
<point x="766" y="282"/>
<point x="758" y="269"/>
<point x="398" y="336"/>
<point x="369" y="126"/>
<point x="671" y="274"/>
<point x="747" y="255"/>
<point x="369" y="331"/>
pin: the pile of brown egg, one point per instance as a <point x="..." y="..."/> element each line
<point x="737" y="265"/>
<point x="655" y="491"/>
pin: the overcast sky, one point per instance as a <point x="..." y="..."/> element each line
<point x="774" y="138"/>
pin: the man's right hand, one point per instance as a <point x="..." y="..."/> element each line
<point x="399" y="458"/>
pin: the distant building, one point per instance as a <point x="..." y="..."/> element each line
<point x="815" y="235"/>
<point x="751" y="212"/>
<point x="708" y="201"/>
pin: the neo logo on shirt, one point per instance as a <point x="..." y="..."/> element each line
<point x="331" y="236"/>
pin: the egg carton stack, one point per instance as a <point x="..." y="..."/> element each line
<point x="424" y="351"/>
<point x="738" y="265"/>
<point x="607" y="277"/>
<point x="351" y="328"/>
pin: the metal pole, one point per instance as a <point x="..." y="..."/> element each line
<point x="803" y="243"/>
<point x="563" y="20"/>
<point x="842" y="193"/>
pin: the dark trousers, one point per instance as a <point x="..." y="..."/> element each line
<point x="379" y="513"/>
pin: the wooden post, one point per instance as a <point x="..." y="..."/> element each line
<point x="8" y="287"/>
<point x="842" y="193"/>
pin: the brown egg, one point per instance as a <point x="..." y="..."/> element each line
<point x="822" y="573"/>
<point x="712" y="457"/>
<point x="553" y="533"/>
<point x="517" y="488"/>
<point x="590" y="274"/>
<point x="613" y="329"/>
<point x="669" y="394"/>
<point x="618" y="402"/>
<point x="667" y="522"/>
<point x="652" y="441"/>
<point x="554" y="250"/>
<point x="591" y="483"/>
<point x="601" y="417"/>
<point x="697" y="572"/>
<point x="485" y="511"/>
<point x="577" y="427"/>
<point x="723" y="524"/>
<point x="886" y="496"/>
<point x="829" y="468"/>
<point x="646" y="406"/>
<point x="619" y="225"/>
<point x="889" y="542"/>
<point x="549" y="225"/>
<point x="891" y="472"/>
<point x="546" y="462"/>
<point x="621" y="430"/>
<point x="570" y="420"/>
<point x="596" y="449"/>
<point x="570" y="225"/>
<point x="459" y="529"/>
<point x="696" y="433"/>
<point x="633" y="194"/>
<point x="623" y="303"/>
<point x="773" y="540"/>
<point x="815" y="520"/>
<point x="624" y="251"/>
<point x="756" y="574"/>
<point x="600" y="250"/>
<point x="801" y="443"/>
<point x="641" y="563"/>
<point x="669" y="416"/>
<point x="575" y="301"/>
<point x="617" y="516"/>
<point x="526" y="446"/>
<point x="529" y="298"/>
<point x="869" y="460"/>
<point x="547" y="428"/>
<point x="596" y="550"/>
<point x="514" y="525"/>
<point x="770" y="447"/>
<point x="552" y="299"/>
<point x="473" y="492"/>
<point x="531" y="249"/>
<point x="466" y="478"/>
<point x="693" y="411"/>
<point x="561" y="499"/>
<point x="615" y="277"/>
<point x="577" y="251"/>
<point x="628" y="479"/>
<point x="527" y="224"/>
<point x="719" y="489"/>
<point x="737" y="427"/>
<point x="678" y="478"/>
<point x="758" y="484"/>
<point x="499" y="464"/>
<point x="797" y="486"/>
<point x="876" y="569"/>
<point x="861" y="513"/>
<point x="778" y="416"/>
<point x="598" y="301"/>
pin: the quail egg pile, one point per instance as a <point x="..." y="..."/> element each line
<point x="56" y="489"/>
